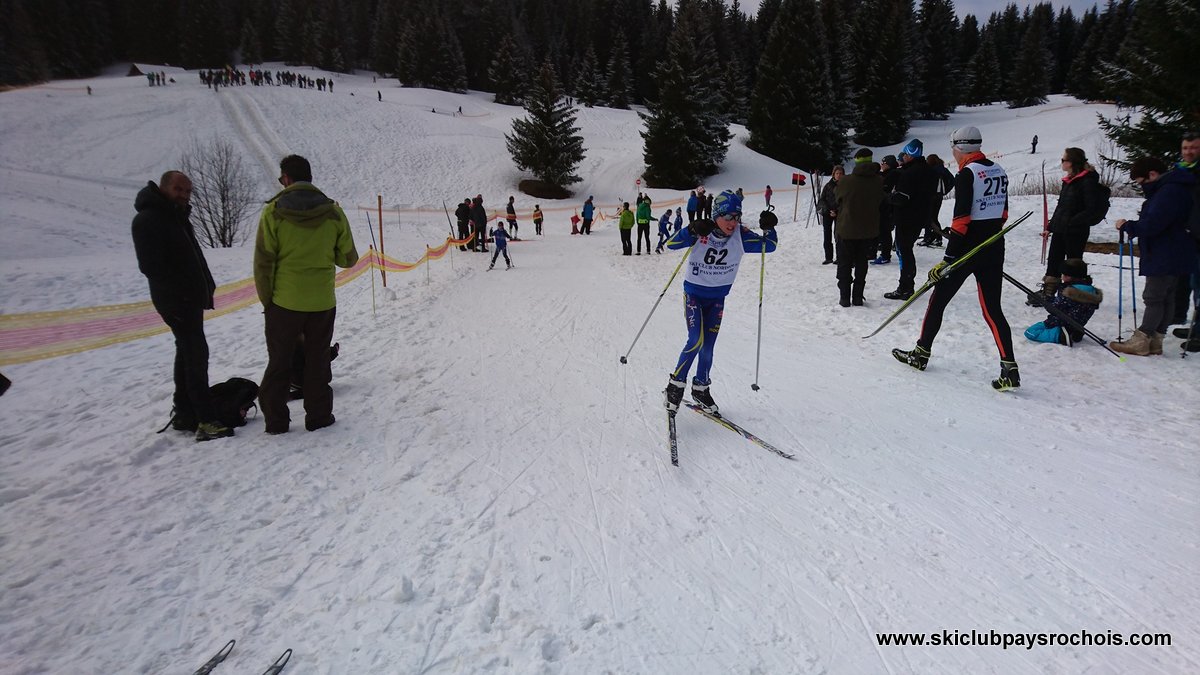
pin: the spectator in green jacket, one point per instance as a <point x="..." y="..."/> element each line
<point x="625" y="224"/>
<point x="302" y="235"/>
<point x="643" y="223"/>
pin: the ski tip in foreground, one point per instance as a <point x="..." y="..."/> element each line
<point x="280" y="662"/>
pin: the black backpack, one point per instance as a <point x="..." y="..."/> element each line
<point x="1106" y="199"/>
<point x="232" y="400"/>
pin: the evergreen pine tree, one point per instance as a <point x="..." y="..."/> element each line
<point x="508" y="73"/>
<point x="385" y="34"/>
<point x="939" y="76"/>
<point x="450" y="71"/>
<point x="1079" y="81"/>
<point x="794" y="108"/>
<point x="885" y="94"/>
<point x="201" y="35"/>
<point x="22" y="59"/>
<point x="836" y="16"/>
<point x="983" y="73"/>
<point x="1065" y="29"/>
<point x="288" y="24"/>
<point x="734" y="97"/>
<point x="687" y="133"/>
<point x="251" y="47"/>
<point x="1155" y="69"/>
<point x="407" y="67"/>
<point x="617" y="85"/>
<point x="587" y="79"/>
<point x="1031" y="79"/>
<point x="547" y="142"/>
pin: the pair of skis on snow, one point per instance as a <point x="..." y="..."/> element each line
<point x="738" y="429"/>
<point x="273" y="669"/>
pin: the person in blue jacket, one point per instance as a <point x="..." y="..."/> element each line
<point x="1076" y="297"/>
<point x="716" y="249"/>
<point x="500" y="237"/>
<point x="693" y="203"/>
<point x="664" y="230"/>
<point x="589" y="210"/>
<point x="1165" y="248"/>
<point x="678" y="221"/>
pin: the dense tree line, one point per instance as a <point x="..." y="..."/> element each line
<point x="865" y="66"/>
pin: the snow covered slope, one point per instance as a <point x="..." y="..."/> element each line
<point x="496" y="495"/>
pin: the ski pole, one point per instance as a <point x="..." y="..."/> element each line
<point x="1120" y="283"/>
<point x="762" y="272"/>
<point x="1063" y="316"/>
<point x="625" y="359"/>
<point x="1133" y="285"/>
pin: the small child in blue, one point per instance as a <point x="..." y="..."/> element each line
<point x="1077" y="298"/>
<point x="678" y="220"/>
<point x="501" y="239"/>
<point x="664" y="230"/>
<point x="716" y="250"/>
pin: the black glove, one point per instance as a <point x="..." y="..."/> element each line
<point x="767" y="220"/>
<point x="702" y="227"/>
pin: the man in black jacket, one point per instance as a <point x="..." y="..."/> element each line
<point x="911" y="203"/>
<point x="479" y="224"/>
<point x="181" y="288"/>
<point x="463" y="214"/>
<point x="890" y="176"/>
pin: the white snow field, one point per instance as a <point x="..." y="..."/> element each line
<point x="496" y="496"/>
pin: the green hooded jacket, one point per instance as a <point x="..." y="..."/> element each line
<point x="643" y="213"/>
<point x="626" y="220"/>
<point x="302" y="234"/>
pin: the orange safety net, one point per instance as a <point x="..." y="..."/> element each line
<point x="42" y="335"/>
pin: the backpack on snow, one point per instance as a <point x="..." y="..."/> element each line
<point x="232" y="400"/>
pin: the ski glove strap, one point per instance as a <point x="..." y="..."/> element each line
<point x="702" y="227"/>
<point x="767" y="220"/>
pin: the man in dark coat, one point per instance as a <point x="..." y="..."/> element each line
<point x="911" y="201"/>
<point x="888" y="171"/>
<point x="1165" y="246"/>
<point x="181" y="288"/>
<point x="479" y="224"/>
<point x="463" y="214"/>
<point x="857" y="226"/>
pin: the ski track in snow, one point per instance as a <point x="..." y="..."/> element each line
<point x="496" y="496"/>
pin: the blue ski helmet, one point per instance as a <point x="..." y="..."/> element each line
<point x="913" y="149"/>
<point x="727" y="203"/>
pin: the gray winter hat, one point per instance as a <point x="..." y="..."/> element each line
<point x="967" y="139"/>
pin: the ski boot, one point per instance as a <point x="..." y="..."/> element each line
<point x="673" y="394"/>
<point x="704" y="399"/>
<point x="183" y="421"/>
<point x="899" y="294"/>
<point x="917" y="358"/>
<point x="1009" y="377"/>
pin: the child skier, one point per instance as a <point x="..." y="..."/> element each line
<point x="537" y="219"/>
<point x="716" y="252"/>
<point x="664" y="230"/>
<point x="1077" y="298"/>
<point x="500" y="237"/>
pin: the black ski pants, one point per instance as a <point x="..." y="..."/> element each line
<point x="1064" y="245"/>
<point x="191" y="398"/>
<point x="463" y="233"/>
<point x="906" y="238"/>
<point x="626" y="241"/>
<point x="885" y="238"/>
<point x="827" y="224"/>
<point x="283" y="329"/>
<point x="988" y="269"/>
<point x="643" y="233"/>
<point x="853" y="256"/>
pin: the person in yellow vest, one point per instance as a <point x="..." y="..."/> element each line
<point x="302" y="235"/>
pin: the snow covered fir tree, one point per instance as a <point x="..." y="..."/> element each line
<point x="547" y="142"/>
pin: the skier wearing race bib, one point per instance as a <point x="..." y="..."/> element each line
<point x="716" y="250"/>
<point x="980" y="209"/>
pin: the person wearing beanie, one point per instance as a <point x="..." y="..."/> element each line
<point x="1077" y="298"/>
<point x="827" y="206"/>
<point x="887" y="170"/>
<point x="911" y="202"/>
<point x="715" y="251"/>
<point x="1081" y="204"/>
<point x="980" y="210"/>
<point x="1166" y="250"/>
<point x="858" y="197"/>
